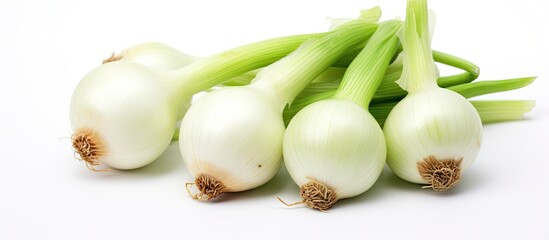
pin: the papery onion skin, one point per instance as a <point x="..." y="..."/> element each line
<point x="134" y="134"/>
<point x="227" y="145"/>
<point x="433" y="122"/>
<point x="348" y="154"/>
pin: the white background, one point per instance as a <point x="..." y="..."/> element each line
<point x="47" y="46"/>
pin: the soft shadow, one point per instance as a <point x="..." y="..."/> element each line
<point x="376" y="192"/>
<point x="396" y="183"/>
<point x="388" y="182"/>
<point x="472" y="179"/>
<point x="168" y="162"/>
<point x="279" y="182"/>
<point x="525" y="118"/>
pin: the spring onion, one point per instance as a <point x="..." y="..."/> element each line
<point x="231" y="138"/>
<point x="334" y="148"/>
<point x="433" y="134"/>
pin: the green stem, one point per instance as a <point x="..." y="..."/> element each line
<point x="460" y="78"/>
<point x="213" y="70"/>
<point x="474" y="89"/>
<point x="243" y="79"/>
<point x="471" y="73"/>
<point x="502" y="110"/>
<point x="388" y="89"/>
<point x="289" y="76"/>
<point x="366" y="72"/>
<point x="316" y="88"/>
<point x="419" y="66"/>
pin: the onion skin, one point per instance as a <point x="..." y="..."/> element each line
<point x="129" y="108"/>
<point x="233" y="135"/>
<point x="432" y="123"/>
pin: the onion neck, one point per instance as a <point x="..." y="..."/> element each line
<point x="366" y="72"/>
<point x="289" y="76"/>
<point x="419" y="66"/>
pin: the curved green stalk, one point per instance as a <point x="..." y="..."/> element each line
<point x="471" y="73"/>
<point x="474" y="89"/>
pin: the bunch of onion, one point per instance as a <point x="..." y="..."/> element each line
<point x="334" y="148"/>
<point x="231" y="138"/>
<point x="123" y="113"/>
<point x="389" y="93"/>
<point x="433" y="134"/>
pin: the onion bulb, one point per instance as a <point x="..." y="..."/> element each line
<point x="334" y="148"/>
<point x="433" y="135"/>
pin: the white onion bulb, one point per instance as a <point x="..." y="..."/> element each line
<point x="233" y="134"/>
<point x="333" y="146"/>
<point x="433" y="134"/>
<point x="123" y="115"/>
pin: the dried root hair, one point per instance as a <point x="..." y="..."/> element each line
<point x="441" y="174"/>
<point x="315" y="195"/>
<point x="112" y="58"/>
<point x="208" y="186"/>
<point x="89" y="147"/>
